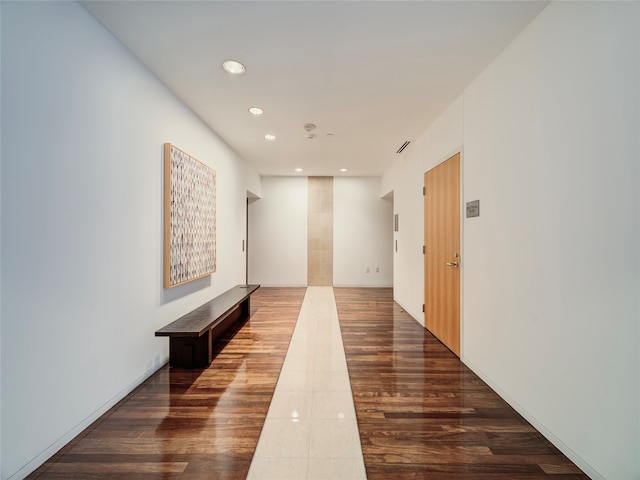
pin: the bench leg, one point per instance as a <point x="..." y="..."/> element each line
<point x="190" y="352"/>
<point x="197" y="352"/>
<point x="245" y="308"/>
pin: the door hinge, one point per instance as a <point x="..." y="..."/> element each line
<point x="423" y="308"/>
<point x="424" y="191"/>
<point x="423" y="249"/>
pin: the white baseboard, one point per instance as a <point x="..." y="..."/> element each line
<point x="71" y="434"/>
<point x="565" y="449"/>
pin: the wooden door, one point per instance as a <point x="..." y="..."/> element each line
<point x="442" y="252"/>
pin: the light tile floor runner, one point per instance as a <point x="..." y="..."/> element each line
<point x="311" y="430"/>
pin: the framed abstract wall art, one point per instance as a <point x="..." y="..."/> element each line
<point x="189" y="218"/>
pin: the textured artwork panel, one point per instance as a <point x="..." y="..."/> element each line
<point x="192" y="232"/>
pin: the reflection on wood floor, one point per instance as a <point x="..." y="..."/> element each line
<point x="192" y="424"/>
<point x="422" y="414"/>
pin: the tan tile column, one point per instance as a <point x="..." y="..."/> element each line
<point x="320" y="231"/>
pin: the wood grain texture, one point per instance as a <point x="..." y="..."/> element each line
<point x="421" y="413"/>
<point x="200" y="319"/>
<point x="192" y="424"/>
<point x="191" y="347"/>
<point x="442" y="244"/>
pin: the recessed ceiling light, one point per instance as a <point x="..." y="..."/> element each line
<point x="234" y="67"/>
<point x="298" y="169"/>
<point x="255" y="111"/>
<point x="268" y="136"/>
<point x="344" y="170"/>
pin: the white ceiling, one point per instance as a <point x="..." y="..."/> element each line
<point x="372" y="73"/>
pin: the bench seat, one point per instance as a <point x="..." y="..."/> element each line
<point x="191" y="336"/>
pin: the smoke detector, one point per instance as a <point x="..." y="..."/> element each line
<point x="308" y="128"/>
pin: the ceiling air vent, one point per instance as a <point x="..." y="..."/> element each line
<point x="404" y="145"/>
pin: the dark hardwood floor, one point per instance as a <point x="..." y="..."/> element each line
<point x="422" y="414"/>
<point x="192" y="424"/>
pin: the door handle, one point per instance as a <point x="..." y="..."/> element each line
<point x="453" y="264"/>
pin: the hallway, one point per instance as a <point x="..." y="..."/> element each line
<point x="421" y="414"/>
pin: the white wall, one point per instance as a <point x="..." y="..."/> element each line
<point x="362" y="233"/>
<point x="278" y="233"/>
<point x="405" y="179"/>
<point x="551" y="268"/>
<point x="83" y="127"/>
<point x="0" y="260"/>
<point x="551" y="151"/>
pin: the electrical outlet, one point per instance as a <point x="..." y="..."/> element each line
<point x="377" y="269"/>
<point x="366" y="270"/>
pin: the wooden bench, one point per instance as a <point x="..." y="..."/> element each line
<point x="191" y="337"/>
